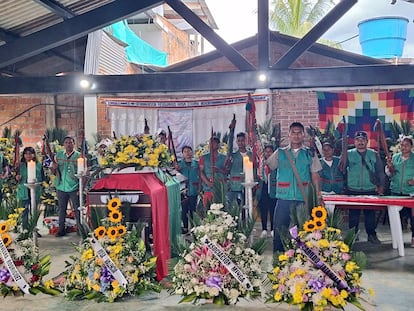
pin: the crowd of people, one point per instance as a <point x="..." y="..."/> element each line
<point x="288" y="174"/>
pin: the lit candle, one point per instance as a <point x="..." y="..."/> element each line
<point x="245" y="160"/>
<point x="81" y="165"/>
<point x="31" y="171"/>
<point x="248" y="172"/>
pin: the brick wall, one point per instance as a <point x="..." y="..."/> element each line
<point x="33" y="115"/>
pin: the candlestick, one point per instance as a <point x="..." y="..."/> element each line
<point x="31" y="171"/>
<point x="248" y="171"/>
<point x="81" y="165"/>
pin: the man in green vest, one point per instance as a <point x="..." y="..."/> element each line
<point x="236" y="175"/>
<point x="365" y="176"/>
<point x="289" y="189"/>
<point x="67" y="184"/>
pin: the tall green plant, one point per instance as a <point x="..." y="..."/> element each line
<point x="56" y="134"/>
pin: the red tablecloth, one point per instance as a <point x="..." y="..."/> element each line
<point x="374" y="200"/>
<point x="151" y="185"/>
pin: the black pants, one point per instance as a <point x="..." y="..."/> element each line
<point x="267" y="206"/>
<point x="369" y="215"/>
<point x="188" y="208"/>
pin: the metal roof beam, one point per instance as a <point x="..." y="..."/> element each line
<point x="71" y="29"/>
<point x="263" y="36"/>
<point x="311" y="78"/>
<point x="56" y="8"/>
<point x="228" y="51"/>
<point x="314" y="34"/>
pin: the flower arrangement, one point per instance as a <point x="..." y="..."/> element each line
<point x="200" y="274"/>
<point x="121" y="267"/>
<point x="20" y="261"/>
<point x="204" y="148"/>
<point x="318" y="270"/>
<point x="137" y="151"/>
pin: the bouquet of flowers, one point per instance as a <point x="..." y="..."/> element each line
<point x="111" y="263"/>
<point x="218" y="265"/>
<point x="22" y="271"/>
<point x="137" y="151"/>
<point x="318" y="269"/>
<point x="204" y="148"/>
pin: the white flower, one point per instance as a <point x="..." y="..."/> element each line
<point x="229" y="235"/>
<point x="216" y="206"/>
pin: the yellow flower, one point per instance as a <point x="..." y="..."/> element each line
<point x="344" y="248"/>
<point x="7" y="239"/>
<point x="323" y="243"/>
<point x="309" y="226"/>
<point x="121" y="230"/>
<point x="277" y="296"/>
<point x="88" y="254"/>
<point x="319" y="224"/>
<point x="96" y="287"/>
<point x="114" y="204"/>
<point x="319" y="212"/>
<point x="115" y="216"/>
<point x="3" y="227"/>
<point x="112" y="233"/>
<point x="49" y="284"/>
<point x="100" y="232"/>
<point x="283" y="257"/>
<point x="351" y="266"/>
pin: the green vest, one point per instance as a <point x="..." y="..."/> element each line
<point x="332" y="179"/>
<point x="22" y="190"/>
<point x="68" y="167"/>
<point x="404" y="171"/>
<point x="236" y="172"/>
<point x="191" y="171"/>
<point x="358" y="175"/>
<point x="287" y="186"/>
<point x="220" y="163"/>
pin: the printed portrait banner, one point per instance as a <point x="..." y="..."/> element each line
<point x="361" y="110"/>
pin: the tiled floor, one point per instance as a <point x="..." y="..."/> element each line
<point x="391" y="277"/>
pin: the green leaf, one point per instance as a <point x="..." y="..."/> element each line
<point x="188" y="298"/>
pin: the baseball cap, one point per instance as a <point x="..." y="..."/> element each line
<point x="361" y="134"/>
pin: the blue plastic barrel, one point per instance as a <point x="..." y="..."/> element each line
<point x="383" y="37"/>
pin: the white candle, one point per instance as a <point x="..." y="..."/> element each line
<point x="248" y="172"/>
<point x="245" y="160"/>
<point x="31" y="172"/>
<point x="81" y="165"/>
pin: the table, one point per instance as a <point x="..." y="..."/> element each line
<point x="393" y="203"/>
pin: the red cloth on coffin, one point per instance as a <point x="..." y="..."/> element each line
<point x="149" y="184"/>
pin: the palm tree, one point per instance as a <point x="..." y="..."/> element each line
<point x="297" y="17"/>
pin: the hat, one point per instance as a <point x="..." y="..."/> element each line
<point x="361" y="134"/>
<point x="215" y="138"/>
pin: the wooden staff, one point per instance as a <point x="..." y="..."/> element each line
<point x="342" y="129"/>
<point x="16" y="159"/>
<point x="212" y="156"/>
<point x="171" y="144"/>
<point x="232" y="127"/>
<point x="382" y="143"/>
<point x="50" y="154"/>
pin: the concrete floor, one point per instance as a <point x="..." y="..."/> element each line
<point x="391" y="277"/>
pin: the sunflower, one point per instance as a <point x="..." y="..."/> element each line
<point x="100" y="232"/>
<point x="121" y="230"/>
<point x="112" y="233"/>
<point x="115" y="216"/>
<point x="7" y="239"/>
<point x="319" y="212"/>
<point x="319" y="224"/>
<point x="309" y="226"/>
<point x="114" y="204"/>
<point x="3" y="227"/>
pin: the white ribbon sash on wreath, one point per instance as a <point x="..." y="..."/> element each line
<point x="17" y="277"/>
<point x="99" y="250"/>
<point x="228" y="263"/>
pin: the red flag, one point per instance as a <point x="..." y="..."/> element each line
<point x="253" y="137"/>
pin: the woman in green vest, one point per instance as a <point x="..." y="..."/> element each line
<point x="23" y="192"/>
<point x="401" y="172"/>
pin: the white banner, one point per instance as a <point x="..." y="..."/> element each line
<point x="97" y="247"/>
<point x="225" y="260"/>
<point x="17" y="277"/>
